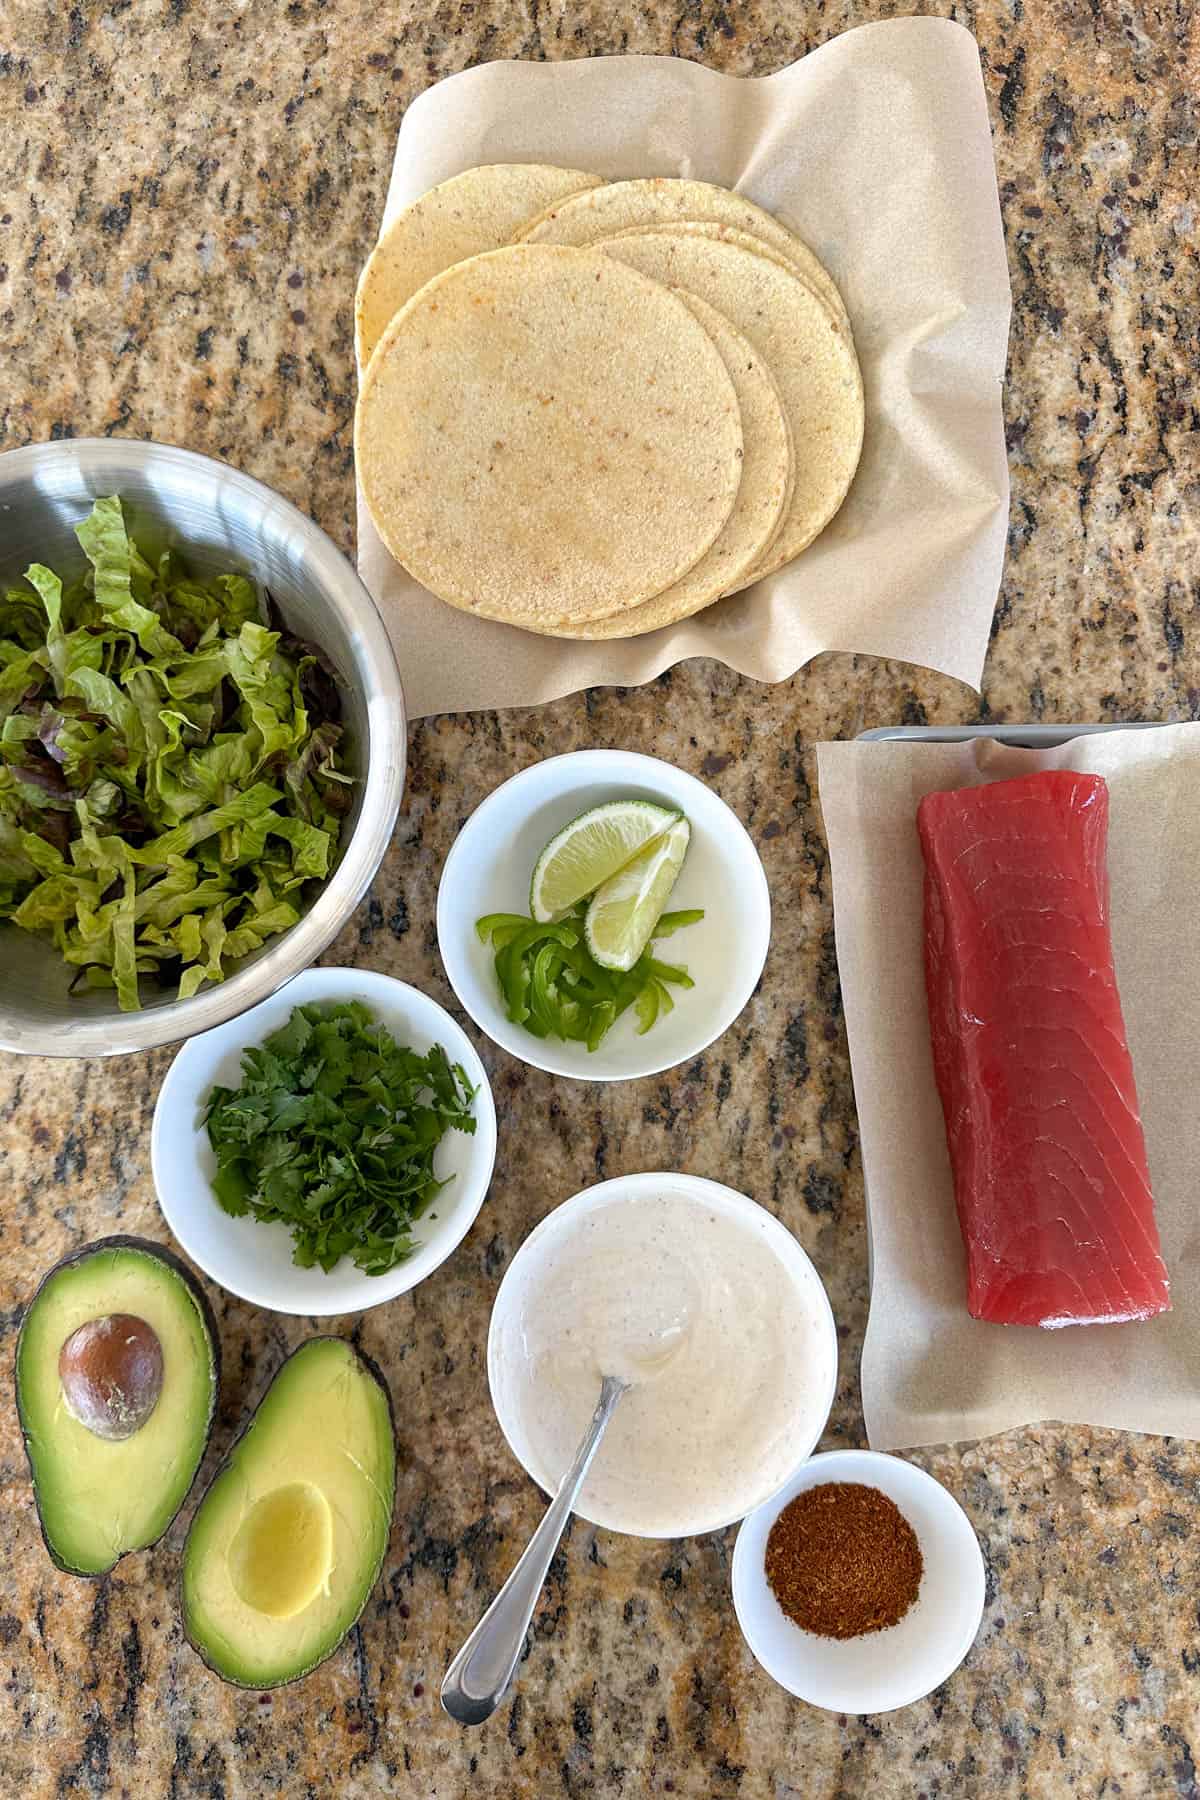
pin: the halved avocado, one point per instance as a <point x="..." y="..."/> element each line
<point x="101" y="1496"/>
<point x="289" y="1539"/>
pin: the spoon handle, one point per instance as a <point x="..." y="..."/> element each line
<point x="475" y="1682"/>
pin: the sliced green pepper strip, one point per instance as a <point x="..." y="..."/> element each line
<point x="675" y="921"/>
<point x="574" y="1020"/>
<point x="503" y="936"/>
<point x="543" y="991"/>
<point x="493" y="922"/>
<point x="511" y="933"/>
<point x="593" y="981"/>
<point x="675" y="972"/>
<point x="512" y="972"/>
<point x="627" y="988"/>
<point x="601" y="1018"/>
<point x="531" y="933"/>
<point x="647" y="1007"/>
<point x="554" y="988"/>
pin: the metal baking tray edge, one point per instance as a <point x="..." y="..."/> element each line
<point x="1022" y="737"/>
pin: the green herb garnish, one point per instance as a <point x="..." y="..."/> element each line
<point x="554" y="987"/>
<point x="333" y="1132"/>
<point x="170" y="776"/>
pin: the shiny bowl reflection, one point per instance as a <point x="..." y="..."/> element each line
<point x="219" y="519"/>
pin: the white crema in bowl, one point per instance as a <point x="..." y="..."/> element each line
<point x="710" y="1310"/>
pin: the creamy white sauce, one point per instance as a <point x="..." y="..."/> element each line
<point x="728" y="1350"/>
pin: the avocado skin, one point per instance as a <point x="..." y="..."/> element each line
<point x="377" y="1376"/>
<point x="124" y="1241"/>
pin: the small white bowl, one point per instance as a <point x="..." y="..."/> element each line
<point x="882" y="1669"/>
<point x="811" y="1408"/>
<point x="254" y="1260"/>
<point x="489" y="870"/>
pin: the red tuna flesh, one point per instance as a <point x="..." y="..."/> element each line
<point x="1029" y="1049"/>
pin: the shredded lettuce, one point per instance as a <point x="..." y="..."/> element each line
<point x="171" y="767"/>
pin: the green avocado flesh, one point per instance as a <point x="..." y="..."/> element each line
<point x="288" y="1542"/>
<point x="97" y="1498"/>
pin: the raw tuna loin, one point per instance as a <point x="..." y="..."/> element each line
<point x="1029" y="1050"/>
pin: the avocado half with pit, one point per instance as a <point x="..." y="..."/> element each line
<point x="288" y="1541"/>
<point x="117" y="1371"/>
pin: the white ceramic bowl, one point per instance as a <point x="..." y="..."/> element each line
<point x="811" y="1407"/>
<point x="489" y="869"/>
<point x="883" y="1669"/>
<point x="254" y="1260"/>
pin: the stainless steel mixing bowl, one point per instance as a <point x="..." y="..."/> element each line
<point x="219" y="519"/>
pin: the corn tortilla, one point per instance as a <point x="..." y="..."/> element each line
<point x="810" y="357"/>
<point x="546" y="436"/>
<point x="707" y="228"/>
<point x="479" y="210"/>
<point x="603" y="211"/>
<point x="763" y="497"/>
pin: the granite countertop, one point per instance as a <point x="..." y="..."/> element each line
<point x="189" y="190"/>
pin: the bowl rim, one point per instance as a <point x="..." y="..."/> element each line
<point x="382" y="792"/>
<point x="747" y="1577"/>
<point x="347" y="981"/>
<point x="740" y="1205"/>
<point x="526" y="1048"/>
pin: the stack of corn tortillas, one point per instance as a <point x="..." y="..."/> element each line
<point x="592" y="409"/>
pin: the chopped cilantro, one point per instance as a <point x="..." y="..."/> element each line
<point x="333" y="1133"/>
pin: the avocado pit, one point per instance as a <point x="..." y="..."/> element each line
<point x="111" y="1371"/>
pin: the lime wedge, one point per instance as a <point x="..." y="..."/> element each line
<point x="590" y="849"/>
<point x="624" y="912"/>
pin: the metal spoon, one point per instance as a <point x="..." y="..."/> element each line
<point x="476" y="1680"/>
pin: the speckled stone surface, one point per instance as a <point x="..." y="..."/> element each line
<point x="187" y="191"/>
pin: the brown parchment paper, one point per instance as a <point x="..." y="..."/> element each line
<point x="931" y="1373"/>
<point x="876" y="148"/>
